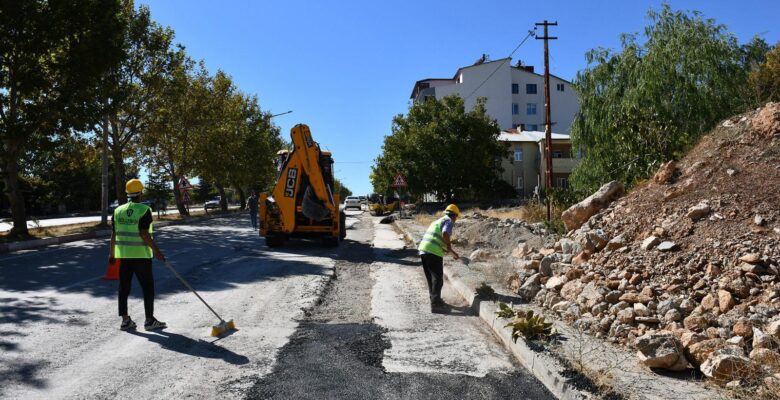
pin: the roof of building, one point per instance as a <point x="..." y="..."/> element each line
<point x="513" y="135"/>
<point x="417" y="84"/>
<point x="455" y="77"/>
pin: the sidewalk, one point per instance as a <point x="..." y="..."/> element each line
<point x="617" y="368"/>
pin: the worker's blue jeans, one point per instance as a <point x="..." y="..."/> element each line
<point x="253" y="217"/>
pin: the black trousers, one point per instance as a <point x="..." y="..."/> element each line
<point x="142" y="268"/>
<point x="433" y="266"/>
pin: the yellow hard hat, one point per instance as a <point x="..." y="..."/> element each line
<point x="453" y="209"/>
<point x="134" y="187"/>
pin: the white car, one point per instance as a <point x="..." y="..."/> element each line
<point x="351" y="202"/>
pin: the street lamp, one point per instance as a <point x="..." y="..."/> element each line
<point x="276" y="115"/>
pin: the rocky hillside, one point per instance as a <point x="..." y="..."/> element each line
<point x="686" y="266"/>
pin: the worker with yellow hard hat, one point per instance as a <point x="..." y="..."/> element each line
<point x="434" y="244"/>
<point x="133" y="245"/>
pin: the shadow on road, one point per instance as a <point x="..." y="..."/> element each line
<point x="196" y="348"/>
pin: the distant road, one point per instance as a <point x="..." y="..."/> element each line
<point x="50" y="222"/>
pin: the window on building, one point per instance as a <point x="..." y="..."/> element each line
<point x="533" y="127"/>
<point x="562" y="182"/>
<point x="530" y="108"/>
<point x="519" y="155"/>
<point x="515" y="109"/>
<point x="557" y="154"/>
<point x="515" y="88"/>
<point x="519" y="183"/>
<point x="530" y="88"/>
<point x="559" y="86"/>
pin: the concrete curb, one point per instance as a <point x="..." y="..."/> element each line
<point x="543" y="367"/>
<point x="38" y="243"/>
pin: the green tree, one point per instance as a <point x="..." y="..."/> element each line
<point x="135" y="84"/>
<point x="342" y="190"/>
<point x="441" y="149"/>
<point x="652" y="100"/>
<point x="52" y="56"/>
<point x="765" y="80"/>
<point x="180" y="120"/>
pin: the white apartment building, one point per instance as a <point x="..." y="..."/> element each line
<point x="514" y="93"/>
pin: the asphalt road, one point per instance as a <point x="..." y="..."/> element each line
<point x="302" y="333"/>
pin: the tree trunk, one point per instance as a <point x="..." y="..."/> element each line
<point x="104" y="177"/>
<point x="15" y="195"/>
<point x="119" y="174"/>
<point x="178" y="197"/>
<point x="222" y="197"/>
<point x="241" y="196"/>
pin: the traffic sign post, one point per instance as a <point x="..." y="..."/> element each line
<point x="184" y="184"/>
<point x="399" y="182"/>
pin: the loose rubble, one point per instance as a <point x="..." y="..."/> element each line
<point x="686" y="267"/>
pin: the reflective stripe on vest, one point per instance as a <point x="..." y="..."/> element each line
<point x="433" y="240"/>
<point x="128" y="242"/>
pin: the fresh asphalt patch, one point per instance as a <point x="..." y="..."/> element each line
<point x="338" y="350"/>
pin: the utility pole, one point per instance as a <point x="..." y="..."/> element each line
<point x="104" y="173"/>
<point x="548" y="181"/>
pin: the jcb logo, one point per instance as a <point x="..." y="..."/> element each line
<point x="289" y="185"/>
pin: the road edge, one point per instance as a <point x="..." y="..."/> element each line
<point x="543" y="367"/>
<point x="52" y="241"/>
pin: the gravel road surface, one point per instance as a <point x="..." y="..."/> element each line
<point x="313" y="322"/>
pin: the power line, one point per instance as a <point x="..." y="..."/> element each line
<point x="531" y="32"/>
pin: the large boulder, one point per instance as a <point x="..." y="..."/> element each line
<point x="530" y="287"/>
<point x="728" y="364"/>
<point x="701" y="351"/>
<point x="579" y="213"/>
<point x="661" y="350"/>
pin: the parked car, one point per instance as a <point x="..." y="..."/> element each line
<point x="155" y="204"/>
<point x="113" y="206"/>
<point x="363" y="199"/>
<point x="352" y="202"/>
<point x="213" y="203"/>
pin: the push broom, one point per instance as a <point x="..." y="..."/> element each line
<point x="216" y="330"/>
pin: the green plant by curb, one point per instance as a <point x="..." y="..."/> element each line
<point x="485" y="292"/>
<point x="505" y="311"/>
<point x="531" y="327"/>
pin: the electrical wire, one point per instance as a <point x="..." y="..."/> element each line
<point x="531" y="32"/>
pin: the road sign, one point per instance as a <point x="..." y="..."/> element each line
<point x="186" y="198"/>
<point x="184" y="184"/>
<point x="399" y="181"/>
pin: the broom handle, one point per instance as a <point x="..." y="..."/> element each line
<point x="168" y="264"/>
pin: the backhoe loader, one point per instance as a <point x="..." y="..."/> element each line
<point x="302" y="202"/>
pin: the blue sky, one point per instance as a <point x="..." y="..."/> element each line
<point x="346" y="68"/>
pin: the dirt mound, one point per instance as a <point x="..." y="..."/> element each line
<point x="694" y="251"/>
<point x="477" y="231"/>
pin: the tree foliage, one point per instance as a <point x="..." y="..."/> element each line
<point x="52" y="56"/>
<point x="442" y="149"/>
<point x="765" y="80"/>
<point x="342" y="190"/>
<point x="134" y="86"/>
<point x="651" y="101"/>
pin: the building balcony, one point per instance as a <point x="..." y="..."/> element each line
<point x="563" y="165"/>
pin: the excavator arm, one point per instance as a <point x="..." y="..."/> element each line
<point x="302" y="186"/>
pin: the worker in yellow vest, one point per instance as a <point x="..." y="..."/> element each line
<point x="434" y="244"/>
<point x="133" y="245"/>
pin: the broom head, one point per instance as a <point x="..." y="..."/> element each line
<point x="222" y="327"/>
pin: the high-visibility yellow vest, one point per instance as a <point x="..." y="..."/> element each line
<point x="128" y="242"/>
<point x="433" y="241"/>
